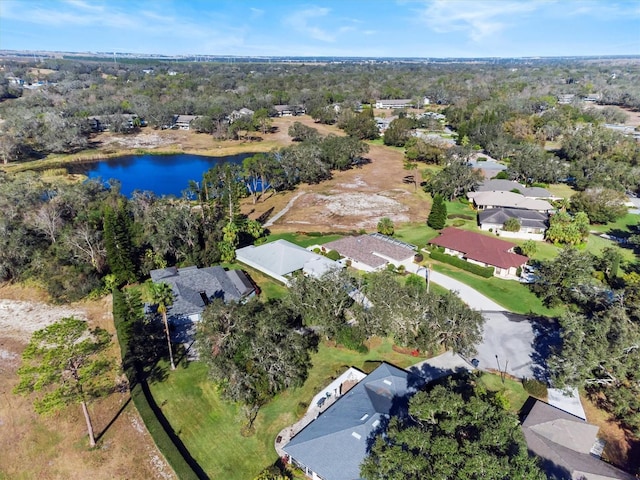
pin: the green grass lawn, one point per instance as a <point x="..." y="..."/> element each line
<point x="304" y="239"/>
<point x="210" y="427"/>
<point x="514" y="296"/>
<point x="512" y="389"/>
<point x="415" y="233"/>
<point x="622" y="225"/>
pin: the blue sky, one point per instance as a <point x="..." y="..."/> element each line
<point x="372" y="28"/>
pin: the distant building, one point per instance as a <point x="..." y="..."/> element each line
<point x="289" y="110"/>
<point x="390" y="104"/>
<point x="183" y="122"/>
<point x="238" y="114"/>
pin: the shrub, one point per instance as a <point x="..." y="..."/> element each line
<point x="458" y="223"/>
<point x="332" y="255"/>
<point x="511" y="225"/>
<point x="301" y="409"/>
<point x="486" y="272"/>
<point x="534" y="387"/>
<point x="385" y="226"/>
<point x="352" y="338"/>
<point x="502" y="175"/>
<point x="529" y="248"/>
<point x="460" y="215"/>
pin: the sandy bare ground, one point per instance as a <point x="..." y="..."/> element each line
<point x="352" y="200"/>
<point x="56" y="446"/>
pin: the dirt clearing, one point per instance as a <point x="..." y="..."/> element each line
<point x="56" y="446"/>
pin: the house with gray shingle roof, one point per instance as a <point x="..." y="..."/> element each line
<point x="374" y="251"/>
<point x="499" y="185"/>
<point x="333" y="446"/>
<point x="533" y="224"/>
<point x="566" y="444"/>
<point x="194" y="288"/>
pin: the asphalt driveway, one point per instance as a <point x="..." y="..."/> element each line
<point x="515" y="344"/>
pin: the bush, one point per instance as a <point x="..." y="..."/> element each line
<point x="352" y="338"/>
<point x="502" y="175"/>
<point x="534" y="387"/>
<point x="332" y="255"/>
<point x="301" y="409"/>
<point x="486" y="272"/>
<point x="458" y="223"/>
<point x="460" y="215"/>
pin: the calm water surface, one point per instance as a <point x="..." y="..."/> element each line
<point x="160" y="174"/>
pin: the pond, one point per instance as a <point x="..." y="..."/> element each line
<point x="160" y="174"/>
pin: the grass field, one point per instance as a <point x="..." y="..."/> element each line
<point x="514" y="296"/>
<point x="210" y="426"/>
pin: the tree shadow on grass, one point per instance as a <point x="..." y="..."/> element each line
<point x="113" y="420"/>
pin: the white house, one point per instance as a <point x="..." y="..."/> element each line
<point x="281" y="258"/>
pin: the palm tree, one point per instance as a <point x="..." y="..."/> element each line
<point x="162" y="295"/>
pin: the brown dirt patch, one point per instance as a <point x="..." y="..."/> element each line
<point x="56" y="446"/>
<point x="355" y="199"/>
<point x="622" y="448"/>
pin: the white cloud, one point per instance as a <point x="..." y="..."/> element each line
<point x="477" y="19"/>
<point x="256" y="12"/>
<point x="302" y="21"/>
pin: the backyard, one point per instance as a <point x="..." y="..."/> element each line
<point x="210" y="427"/>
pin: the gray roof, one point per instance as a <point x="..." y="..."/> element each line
<point x="563" y="442"/>
<point x="501" y="198"/>
<point x="499" y="185"/>
<point x="335" y="444"/>
<point x="371" y="249"/>
<point x="280" y="257"/>
<point x="527" y="218"/>
<point x="190" y="284"/>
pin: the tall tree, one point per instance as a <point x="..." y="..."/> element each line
<point x="118" y="243"/>
<point x="452" y="431"/>
<point x="68" y="362"/>
<point x="253" y="351"/>
<point x="438" y="215"/>
<point x="162" y="296"/>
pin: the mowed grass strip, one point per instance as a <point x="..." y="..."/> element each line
<point x="514" y="296"/>
<point x="210" y="426"/>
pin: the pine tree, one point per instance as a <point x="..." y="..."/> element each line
<point x="438" y="215"/>
<point x="117" y="240"/>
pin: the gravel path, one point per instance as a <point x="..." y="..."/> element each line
<point x="277" y="216"/>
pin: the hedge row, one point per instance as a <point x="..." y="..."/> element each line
<point x="461" y="215"/>
<point x="486" y="272"/>
<point x="169" y="444"/>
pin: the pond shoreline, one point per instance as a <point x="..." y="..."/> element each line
<point x="99" y="155"/>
